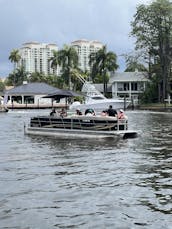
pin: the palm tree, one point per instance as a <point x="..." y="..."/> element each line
<point x="54" y="60"/>
<point x="134" y="62"/>
<point x="37" y="77"/>
<point x="17" y="77"/>
<point x="15" y="57"/>
<point x="93" y="66"/>
<point x="68" y="60"/>
<point x="102" y="63"/>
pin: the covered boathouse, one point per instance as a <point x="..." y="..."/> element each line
<point x="30" y="95"/>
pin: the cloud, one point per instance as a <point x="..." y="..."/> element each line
<point x="63" y="21"/>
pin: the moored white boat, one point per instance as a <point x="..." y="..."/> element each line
<point x="96" y="100"/>
<point x="99" y="103"/>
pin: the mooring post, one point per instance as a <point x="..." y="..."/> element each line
<point x="124" y="102"/>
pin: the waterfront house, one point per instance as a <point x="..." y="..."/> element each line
<point x="129" y="84"/>
<point x="30" y="95"/>
<point x="125" y="84"/>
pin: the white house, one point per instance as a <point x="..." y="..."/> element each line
<point x="129" y="84"/>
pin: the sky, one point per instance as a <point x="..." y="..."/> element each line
<point x="64" y="21"/>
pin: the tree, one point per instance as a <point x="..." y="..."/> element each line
<point x="102" y="63"/>
<point x="151" y="93"/>
<point x="37" y="77"/>
<point x="17" y="77"/>
<point x="152" y="28"/>
<point x="14" y="57"/>
<point x="54" y="60"/>
<point x="93" y="66"/>
<point x="2" y="86"/>
<point x="135" y="66"/>
<point x="68" y="60"/>
<point x="52" y="80"/>
<point x="134" y="63"/>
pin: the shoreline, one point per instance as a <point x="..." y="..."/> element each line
<point x="162" y="108"/>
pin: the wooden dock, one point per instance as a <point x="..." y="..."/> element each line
<point x="34" y="106"/>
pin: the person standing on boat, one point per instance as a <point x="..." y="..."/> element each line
<point x="111" y="111"/>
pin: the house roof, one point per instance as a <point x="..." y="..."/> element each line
<point x="32" y="89"/>
<point x="129" y="77"/>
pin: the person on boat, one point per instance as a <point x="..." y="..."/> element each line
<point x="111" y="111"/>
<point x="104" y="113"/>
<point x="121" y="114"/>
<point x="63" y="113"/>
<point x="78" y="112"/>
<point x="53" y="112"/>
<point x="90" y="111"/>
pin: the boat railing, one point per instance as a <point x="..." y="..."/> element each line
<point x="63" y="122"/>
<point x="86" y="120"/>
<point x="82" y="122"/>
<point x="123" y="122"/>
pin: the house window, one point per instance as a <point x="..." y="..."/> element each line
<point x="29" y="99"/>
<point x="126" y="86"/>
<point x="134" y="87"/>
<point x="17" y="99"/>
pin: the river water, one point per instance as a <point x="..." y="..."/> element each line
<point x="46" y="183"/>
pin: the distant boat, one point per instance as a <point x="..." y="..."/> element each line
<point x="96" y="100"/>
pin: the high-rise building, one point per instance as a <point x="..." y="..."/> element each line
<point x="35" y="57"/>
<point x="84" y="48"/>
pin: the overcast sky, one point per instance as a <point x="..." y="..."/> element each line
<point x="64" y="21"/>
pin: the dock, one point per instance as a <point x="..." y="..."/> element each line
<point x="36" y="106"/>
